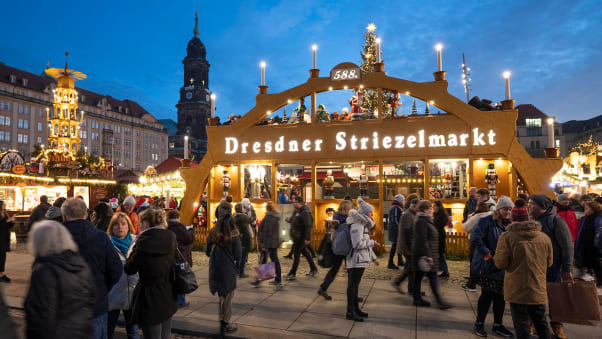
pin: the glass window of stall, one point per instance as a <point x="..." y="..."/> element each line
<point x="448" y="178"/>
<point x="336" y="180"/>
<point x="293" y="180"/>
<point x="405" y="177"/>
<point x="257" y="181"/>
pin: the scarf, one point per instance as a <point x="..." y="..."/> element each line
<point x="122" y="244"/>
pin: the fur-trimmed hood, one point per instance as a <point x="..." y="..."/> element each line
<point x="526" y="229"/>
<point x="356" y="217"/>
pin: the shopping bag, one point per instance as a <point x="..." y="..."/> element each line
<point x="265" y="271"/>
<point x="574" y="303"/>
<point x="325" y="255"/>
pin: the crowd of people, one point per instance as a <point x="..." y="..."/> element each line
<point x="92" y="265"/>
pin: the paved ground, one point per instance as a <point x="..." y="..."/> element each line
<point x="294" y="310"/>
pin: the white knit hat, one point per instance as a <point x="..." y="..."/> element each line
<point x="399" y="198"/>
<point x="504" y="202"/>
<point x="129" y="201"/>
<point x="364" y="207"/>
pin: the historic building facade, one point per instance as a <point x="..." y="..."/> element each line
<point x="120" y="130"/>
<point x="532" y="131"/>
<point x="194" y="106"/>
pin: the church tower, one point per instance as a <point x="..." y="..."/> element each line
<point x="194" y="106"/>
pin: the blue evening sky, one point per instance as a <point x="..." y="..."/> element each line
<point x="134" y="49"/>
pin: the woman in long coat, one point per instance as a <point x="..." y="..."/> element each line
<point x="6" y="223"/>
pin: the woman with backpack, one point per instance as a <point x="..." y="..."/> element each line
<point x="223" y="249"/>
<point x="361" y="255"/>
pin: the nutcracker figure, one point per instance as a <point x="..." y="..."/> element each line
<point x="492" y="179"/>
<point x="328" y="184"/>
<point x="394" y="103"/>
<point x="301" y="111"/>
<point x="363" y="182"/>
<point x="226" y="183"/>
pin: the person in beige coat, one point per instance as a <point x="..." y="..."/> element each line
<point x="525" y="253"/>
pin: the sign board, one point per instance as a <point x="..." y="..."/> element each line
<point x="18" y="169"/>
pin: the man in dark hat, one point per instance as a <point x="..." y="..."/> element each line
<point x="542" y="209"/>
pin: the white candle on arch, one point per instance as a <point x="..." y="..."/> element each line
<point x="314" y="49"/>
<point x="378" y="50"/>
<point x="213" y="105"/>
<point x="439" y="47"/>
<point x="262" y="73"/>
<point x="507" y="84"/>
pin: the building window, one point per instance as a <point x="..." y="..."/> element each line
<point x="22" y="138"/>
<point x="533" y="122"/>
<point x="537" y="144"/>
<point x="13" y="78"/>
<point x="39" y="140"/>
<point x="557" y="143"/>
<point x="40" y="126"/>
<point x="1" y="135"/>
<point x="172" y="145"/>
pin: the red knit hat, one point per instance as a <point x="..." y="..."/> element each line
<point x="520" y="212"/>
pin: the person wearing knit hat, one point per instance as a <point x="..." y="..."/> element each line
<point x="520" y="211"/>
<point x="364" y="207"/>
<point x="541" y="200"/>
<point x="563" y="197"/>
<point x="399" y="198"/>
<point x="504" y="202"/>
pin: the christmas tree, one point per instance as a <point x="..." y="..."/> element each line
<point x="370" y="102"/>
<point x="414" y="110"/>
<point x="427" y="110"/>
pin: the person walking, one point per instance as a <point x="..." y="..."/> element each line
<point x="395" y="213"/>
<point x="468" y="226"/>
<point x="6" y="223"/>
<point x="542" y="209"/>
<point x="361" y="255"/>
<point x="441" y="219"/>
<point x="268" y="237"/>
<point x="425" y="251"/>
<point x="121" y="231"/>
<point x="153" y="258"/>
<point x="101" y="216"/>
<point x="38" y="213"/>
<point x="525" y="253"/>
<point x="223" y="249"/>
<point x="566" y="212"/>
<point x="184" y="238"/>
<point x="127" y="207"/>
<point x="61" y="297"/>
<point x="98" y="251"/>
<point x="471" y="204"/>
<point x="587" y="255"/>
<point x="301" y="227"/>
<point x="405" y="237"/>
<point x="242" y="221"/>
<point x="485" y="238"/>
<point x="340" y="217"/>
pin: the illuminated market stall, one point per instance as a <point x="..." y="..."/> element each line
<point x="324" y="158"/>
<point x="582" y="170"/>
<point x="161" y="181"/>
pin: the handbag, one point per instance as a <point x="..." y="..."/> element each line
<point x="576" y="303"/>
<point x="264" y="271"/>
<point x="424" y="265"/>
<point x="325" y="255"/>
<point x="184" y="280"/>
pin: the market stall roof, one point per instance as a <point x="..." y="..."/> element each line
<point x="125" y="176"/>
<point x="171" y="164"/>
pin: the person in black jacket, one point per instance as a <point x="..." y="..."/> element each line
<point x="242" y="222"/>
<point x="6" y="223"/>
<point x="101" y="216"/>
<point x="301" y="227"/>
<point x="153" y="258"/>
<point x="97" y="249"/>
<point x="38" y="213"/>
<point x="185" y="238"/>
<point x="441" y="219"/>
<point x="61" y="297"/>
<point x="223" y="249"/>
<point x="268" y="237"/>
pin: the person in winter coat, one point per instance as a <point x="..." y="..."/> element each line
<point x="468" y="226"/>
<point x="361" y="255"/>
<point x="250" y="211"/>
<point x="185" y="238"/>
<point x="224" y="208"/>
<point x="484" y="196"/>
<point x="153" y="258"/>
<point x="98" y="251"/>
<point x="54" y="211"/>
<point x="301" y="227"/>
<point x="339" y="216"/>
<point x="223" y="249"/>
<point x="395" y="213"/>
<point x="484" y="238"/>
<point x="61" y="297"/>
<point x="471" y="204"/>
<point x="268" y="237"/>
<point x="587" y="255"/>
<point x="566" y="212"/>
<point x="38" y="213"/>
<point x="404" y="245"/>
<point x="6" y="223"/>
<point x="121" y="231"/>
<point x="101" y="216"/>
<point x="542" y="209"/>
<point x="243" y="223"/>
<point x="7" y="327"/>
<point x="127" y="207"/>
<point x="425" y="249"/>
<point x="525" y="253"/>
<point x="441" y="219"/>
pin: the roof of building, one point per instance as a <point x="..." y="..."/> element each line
<point x="528" y="111"/>
<point x="42" y="83"/>
<point x="171" y="164"/>
<point x="579" y="126"/>
<point x="170" y="126"/>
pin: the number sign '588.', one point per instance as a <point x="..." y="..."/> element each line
<point x="345" y="74"/>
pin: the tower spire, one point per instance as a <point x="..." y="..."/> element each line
<point x="196" y="31"/>
<point x="66" y="55"/>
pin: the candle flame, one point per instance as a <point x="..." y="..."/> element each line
<point x="439" y="46"/>
<point x="314" y="47"/>
<point x="262" y="64"/>
<point x="507" y="74"/>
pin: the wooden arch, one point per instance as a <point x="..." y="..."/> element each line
<point x="534" y="172"/>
